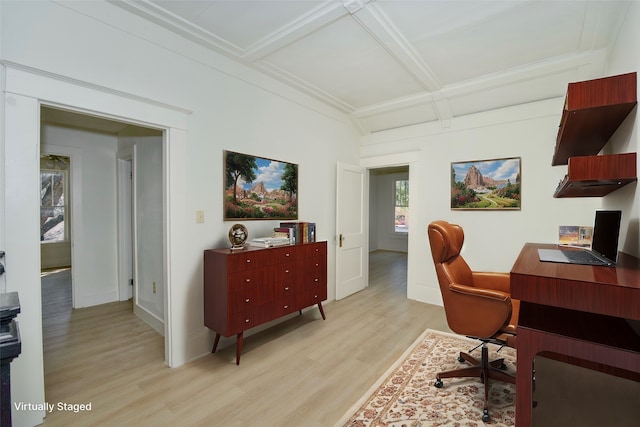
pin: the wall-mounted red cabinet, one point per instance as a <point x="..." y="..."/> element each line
<point x="596" y="176"/>
<point x="592" y="112"/>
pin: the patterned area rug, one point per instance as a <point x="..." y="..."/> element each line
<point x="406" y="397"/>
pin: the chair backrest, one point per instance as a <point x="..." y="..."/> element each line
<point x="464" y="316"/>
<point x="446" y="242"/>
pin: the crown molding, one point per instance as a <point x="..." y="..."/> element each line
<point x="172" y="22"/>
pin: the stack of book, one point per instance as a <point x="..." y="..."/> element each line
<point x="297" y="232"/>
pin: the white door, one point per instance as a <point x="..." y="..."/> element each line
<point x="352" y="260"/>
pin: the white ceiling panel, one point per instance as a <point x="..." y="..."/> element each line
<point x="393" y="63"/>
<point x="418" y="20"/>
<point x="503" y="41"/>
<point x="242" y="23"/>
<point x="344" y="60"/>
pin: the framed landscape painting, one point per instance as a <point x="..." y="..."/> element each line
<point x="486" y="184"/>
<point x="259" y="188"/>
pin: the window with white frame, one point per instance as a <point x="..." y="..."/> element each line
<point x="53" y="208"/>
<point x="401" y="222"/>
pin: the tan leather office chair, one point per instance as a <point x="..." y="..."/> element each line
<point x="476" y="304"/>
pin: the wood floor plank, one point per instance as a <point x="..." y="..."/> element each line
<point x="301" y="372"/>
<point x="302" y="369"/>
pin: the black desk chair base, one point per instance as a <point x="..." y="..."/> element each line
<point x="483" y="369"/>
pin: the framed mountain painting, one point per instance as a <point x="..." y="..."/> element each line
<point x="486" y="184"/>
<point x="259" y="188"/>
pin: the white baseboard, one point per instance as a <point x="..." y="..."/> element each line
<point x="149" y="318"/>
<point x="82" y="301"/>
<point x="427" y="294"/>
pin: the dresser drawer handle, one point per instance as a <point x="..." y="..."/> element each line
<point x="286" y="306"/>
<point x="247" y="280"/>
<point x="248" y="260"/>
<point x="286" y="288"/>
<point x="315" y="296"/>
<point x="247" y="300"/>
<point x="316" y="280"/>
<point x="317" y="265"/>
<point x="246" y="320"/>
<point x="286" y="271"/>
<point x="287" y="254"/>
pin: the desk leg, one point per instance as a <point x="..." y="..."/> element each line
<point x="527" y="350"/>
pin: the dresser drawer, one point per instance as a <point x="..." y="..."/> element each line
<point x="256" y="284"/>
<point x="286" y="292"/>
<point x="240" y="299"/>
<point x="249" y="317"/>
<point x="286" y="306"/>
<point x="284" y="273"/>
<point x="244" y="260"/>
<point x="283" y="254"/>
<point x="311" y="297"/>
<point x="316" y="271"/>
<point x="248" y="278"/>
<point x="315" y="250"/>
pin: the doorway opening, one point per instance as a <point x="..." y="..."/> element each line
<point x="109" y="249"/>
<point x="389" y="219"/>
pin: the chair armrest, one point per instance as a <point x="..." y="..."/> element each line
<point x="480" y="292"/>
<point x="489" y="280"/>
<point x="477" y="312"/>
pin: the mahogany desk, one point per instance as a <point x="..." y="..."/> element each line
<point x="576" y="314"/>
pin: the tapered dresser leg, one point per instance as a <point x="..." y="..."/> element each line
<point x="215" y="343"/>
<point x="321" y="311"/>
<point x="238" y="347"/>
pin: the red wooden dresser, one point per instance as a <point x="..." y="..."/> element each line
<point x="249" y="287"/>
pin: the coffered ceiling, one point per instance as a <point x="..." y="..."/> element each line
<point x="393" y="63"/>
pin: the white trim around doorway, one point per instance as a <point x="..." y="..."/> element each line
<point x="25" y="91"/>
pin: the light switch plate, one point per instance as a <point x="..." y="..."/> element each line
<point x="199" y="217"/>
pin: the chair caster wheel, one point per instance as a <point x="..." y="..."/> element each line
<point x="503" y="367"/>
<point x="438" y="383"/>
<point x="485" y="415"/>
<point x="460" y="359"/>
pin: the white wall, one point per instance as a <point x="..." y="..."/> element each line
<point x="493" y="238"/>
<point x="148" y="263"/>
<point x="93" y="210"/>
<point x="75" y="48"/>
<point x="382" y="211"/>
<point x="149" y="230"/>
<point x="625" y="58"/>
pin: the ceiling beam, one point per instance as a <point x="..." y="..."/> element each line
<point x="319" y="17"/>
<point x="379" y="26"/>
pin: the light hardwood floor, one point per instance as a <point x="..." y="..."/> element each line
<point x="302" y="372"/>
